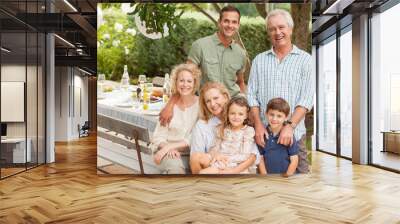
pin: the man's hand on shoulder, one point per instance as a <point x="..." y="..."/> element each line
<point x="167" y="112"/>
<point x="261" y="132"/>
<point x="166" y="116"/>
<point x="286" y="136"/>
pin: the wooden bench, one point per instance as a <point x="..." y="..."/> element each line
<point x="133" y="136"/>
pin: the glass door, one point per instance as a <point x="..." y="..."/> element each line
<point x="385" y="90"/>
<point x="327" y="96"/>
<point x="346" y="93"/>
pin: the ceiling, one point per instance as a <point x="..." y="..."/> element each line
<point x="74" y="22"/>
<point x="328" y="16"/>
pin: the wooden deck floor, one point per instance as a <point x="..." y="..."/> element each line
<point x="70" y="191"/>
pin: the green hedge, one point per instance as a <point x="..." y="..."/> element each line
<point x="255" y="39"/>
<point x="156" y="57"/>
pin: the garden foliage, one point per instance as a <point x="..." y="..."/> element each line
<point x="157" y="57"/>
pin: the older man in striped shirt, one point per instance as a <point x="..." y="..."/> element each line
<point x="283" y="71"/>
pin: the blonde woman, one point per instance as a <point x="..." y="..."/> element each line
<point x="213" y="99"/>
<point x="234" y="141"/>
<point x="170" y="141"/>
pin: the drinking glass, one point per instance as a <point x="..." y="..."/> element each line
<point x="146" y="99"/>
<point x="135" y="100"/>
<point x="148" y="87"/>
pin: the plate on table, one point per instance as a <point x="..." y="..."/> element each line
<point x="155" y="99"/>
<point x="124" y="104"/>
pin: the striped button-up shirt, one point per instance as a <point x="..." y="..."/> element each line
<point x="290" y="79"/>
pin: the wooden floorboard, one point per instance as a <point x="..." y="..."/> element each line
<point x="70" y="191"/>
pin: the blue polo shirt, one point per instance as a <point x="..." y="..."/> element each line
<point x="277" y="156"/>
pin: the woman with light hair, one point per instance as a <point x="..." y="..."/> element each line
<point x="213" y="99"/>
<point x="169" y="142"/>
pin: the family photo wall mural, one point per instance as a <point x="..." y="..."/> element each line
<point x="204" y="88"/>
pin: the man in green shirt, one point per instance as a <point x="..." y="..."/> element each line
<point x="219" y="58"/>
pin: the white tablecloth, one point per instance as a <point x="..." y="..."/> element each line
<point x="115" y="104"/>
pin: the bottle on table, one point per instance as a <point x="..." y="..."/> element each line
<point x="142" y="80"/>
<point x="125" y="79"/>
<point x="166" y="88"/>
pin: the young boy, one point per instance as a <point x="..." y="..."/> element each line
<point x="278" y="158"/>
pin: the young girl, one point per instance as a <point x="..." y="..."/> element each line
<point x="233" y="151"/>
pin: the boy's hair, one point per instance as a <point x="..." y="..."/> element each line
<point x="279" y="104"/>
<point x="228" y="8"/>
<point x="240" y="101"/>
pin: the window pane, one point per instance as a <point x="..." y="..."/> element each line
<point x="327" y="97"/>
<point x="15" y="150"/>
<point x="386" y="89"/>
<point x="346" y="94"/>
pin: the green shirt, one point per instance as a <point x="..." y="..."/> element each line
<point x="218" y="63"/>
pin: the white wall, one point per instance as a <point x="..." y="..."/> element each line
<point x="33" y="126"/>
<point x="14" y="73"/>
<point x="61" y="103"/>
<point x="80" y="110"/>
<point x="71" y="102"/>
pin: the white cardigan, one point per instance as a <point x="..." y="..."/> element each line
<point x="180" y="127"/>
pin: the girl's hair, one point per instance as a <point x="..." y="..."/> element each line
<point x="240" y="101"/>
<point x="205" y="113"/>
<point x="192" y="68"/>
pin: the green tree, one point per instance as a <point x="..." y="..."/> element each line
<point x="156" y="16"/>
<point x="114" y="42"/>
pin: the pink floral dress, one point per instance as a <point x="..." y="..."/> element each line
<point x="236" y="145"/>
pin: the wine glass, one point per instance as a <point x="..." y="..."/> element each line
<point x="101" y="78"/>
<point x="149" y="87"/>
<point x="100" y="81"/>
<point x="100" y="84"/>
<point x="142" y="80"/>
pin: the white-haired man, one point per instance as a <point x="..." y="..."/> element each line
<point x="283" y="71"/>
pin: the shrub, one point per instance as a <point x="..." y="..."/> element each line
<point x="157" y="57"/>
